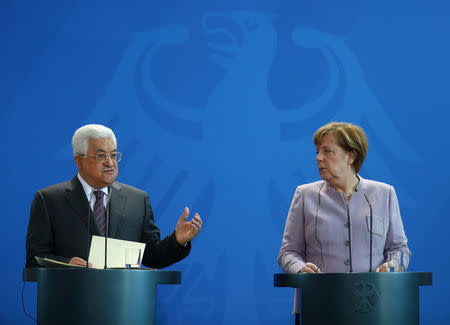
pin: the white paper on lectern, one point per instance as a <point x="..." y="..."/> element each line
<point x="116" y="251"/>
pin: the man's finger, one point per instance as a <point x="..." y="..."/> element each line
<point x="197" y="223"/>
<point x="77" y="261"/>
<point x="197" y="218"/>
<point x="185" y="214"/>
<point x="195" y="228"/>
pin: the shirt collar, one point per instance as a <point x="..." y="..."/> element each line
<point x="88" y="189"/>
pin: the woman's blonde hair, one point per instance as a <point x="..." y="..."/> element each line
<point x="349" y="137"/>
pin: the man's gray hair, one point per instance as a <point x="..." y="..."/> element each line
<point x="80" y="139"/>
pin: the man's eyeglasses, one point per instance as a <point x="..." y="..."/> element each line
<point x="102" y="157"/>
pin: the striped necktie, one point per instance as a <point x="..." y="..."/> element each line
<point x="99" y="211"/>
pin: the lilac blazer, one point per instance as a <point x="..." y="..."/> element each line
<point x="316" y="228"/>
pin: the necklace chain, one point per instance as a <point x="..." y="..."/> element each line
<point x="350" y="194"/>
<point x="353" y="191"/>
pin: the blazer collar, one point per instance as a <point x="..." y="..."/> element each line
<point x="79" y="203"/>
<point x="117" y="206"/>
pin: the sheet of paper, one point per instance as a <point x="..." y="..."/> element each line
<point x="116" y="251"/>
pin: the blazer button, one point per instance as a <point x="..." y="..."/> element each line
<point x="347" y="262"/>
<point x="346" y="225"/>
<point x="347" y="243"/>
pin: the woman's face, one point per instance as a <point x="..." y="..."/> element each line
<point x="334" y="163"/>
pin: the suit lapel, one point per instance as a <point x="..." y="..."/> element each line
<point x="77" y="199"/>
<point x="117" y="206"/>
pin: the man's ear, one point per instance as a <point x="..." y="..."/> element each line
<point x="79" y="161"/>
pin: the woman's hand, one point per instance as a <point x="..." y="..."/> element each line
<point x="310" y="268"/>
<point x="383" y="267"/>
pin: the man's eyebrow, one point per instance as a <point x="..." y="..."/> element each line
<point x="101" y="150"/>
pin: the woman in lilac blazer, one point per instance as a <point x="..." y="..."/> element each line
<point x="328" y="225"/>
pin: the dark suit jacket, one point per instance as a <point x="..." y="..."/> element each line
<point x="59" y="223"/>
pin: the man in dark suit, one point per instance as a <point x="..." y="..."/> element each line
<point x="58" y="226"/>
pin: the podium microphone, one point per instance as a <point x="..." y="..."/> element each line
<point x="107" y="226"/>
<point x="88" y="229"/>
<point x="349" y="232"/>
<point x="371" y="230"/>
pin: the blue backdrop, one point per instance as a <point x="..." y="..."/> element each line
<point x="214" y="105"/>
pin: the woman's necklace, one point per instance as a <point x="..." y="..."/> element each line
<point x="347" y="196"/>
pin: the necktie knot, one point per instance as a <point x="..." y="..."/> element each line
<point x="99" y="194"/>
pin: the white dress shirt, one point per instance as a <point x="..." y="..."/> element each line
<point x="89" y="190"/>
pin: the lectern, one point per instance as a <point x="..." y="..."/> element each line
<point x="92" y="296"/>
<point x="357" y="298"/>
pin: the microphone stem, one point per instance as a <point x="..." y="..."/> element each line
<point x="106" y="237"/>
<point x="88" y="229"/>
<point x="371" y="225"/>
<point x="107" y="228"/>
<point x="349" y="233"/>
<point x="371" y="230"/>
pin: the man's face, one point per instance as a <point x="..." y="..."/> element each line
<point x="95" y="173"/>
